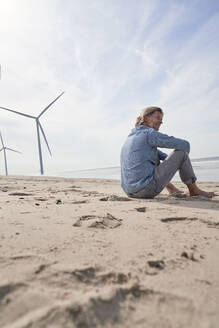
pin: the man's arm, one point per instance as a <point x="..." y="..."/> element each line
<point x="162" y="156"/>
<point x="162" y="140"/>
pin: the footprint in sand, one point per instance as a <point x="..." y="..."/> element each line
<point x="180" y="218"/>
<point x="94" y="221"/>
<point x="117" y="306"/>
<point x="154" y="266"/>
<point x="210" y="224"/>
<point x="79" y="202"/>
<point x="41" y="268"/>
<point x="90" y="193"/>
<point x="115" y="198"/>
<point x="157" y="264"/>
<point x="20" y="194"/>
<point x="6" y="290"/>
<point x="91" y="275"/>
<point x="141" y="209"/>
<point x="41" y="199"/>
<point x="190" y="256"/>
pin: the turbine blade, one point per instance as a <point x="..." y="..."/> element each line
<point x="50" y="104"/>
<point x="2" y="140"/>
<point x="1" y="149"/>
<point x="14" y="111"/>
<point x="44" y="136"/>
<point x="13" y="150"/>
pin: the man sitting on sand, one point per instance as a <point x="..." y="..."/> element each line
<point x="142" y="173"/>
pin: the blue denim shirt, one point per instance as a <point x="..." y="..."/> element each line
<point x="139" y="155"/>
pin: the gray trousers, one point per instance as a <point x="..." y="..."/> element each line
<point x="164" y="172"/>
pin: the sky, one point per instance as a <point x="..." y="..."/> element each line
<point x="112" y="58"/>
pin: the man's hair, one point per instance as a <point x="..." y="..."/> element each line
<point x="147" y="112"/>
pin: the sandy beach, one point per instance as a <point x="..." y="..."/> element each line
<point x="79" y="253"/>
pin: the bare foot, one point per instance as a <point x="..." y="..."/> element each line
<point x="195" y="191"/>
<point x="176" y="191"/>
<point x="203" y="193"/>
<point x="173" y="190"/>
<point x="178" y="195"/>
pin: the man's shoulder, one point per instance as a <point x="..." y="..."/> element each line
<point x="141" y="129"/>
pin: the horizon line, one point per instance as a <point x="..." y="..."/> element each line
<point x="113" y="167"/>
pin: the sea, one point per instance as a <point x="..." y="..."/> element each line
<point x="206" y="169"/>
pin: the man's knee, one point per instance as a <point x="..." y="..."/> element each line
<point x="181" y="154"/>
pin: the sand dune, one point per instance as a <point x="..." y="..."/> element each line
<point x="79" y="253"/>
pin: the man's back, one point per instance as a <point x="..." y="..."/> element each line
<point x="137" y="160"/>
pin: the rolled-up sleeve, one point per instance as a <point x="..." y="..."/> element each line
<point x="157" y="139"/>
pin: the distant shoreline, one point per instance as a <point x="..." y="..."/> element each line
<point x="202" y="159"/>
<point x="205" y="159"/>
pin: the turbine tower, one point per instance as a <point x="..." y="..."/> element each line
<point x="38" y="127"/>
<point x="4" y="148"/>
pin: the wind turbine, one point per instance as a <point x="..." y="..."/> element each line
<point x="4" y="151"/>
<point x="38" y="127"/>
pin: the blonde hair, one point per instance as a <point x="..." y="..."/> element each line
<point x="147" y="112"/>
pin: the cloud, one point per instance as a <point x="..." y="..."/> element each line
<point x="190" y="91"/>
